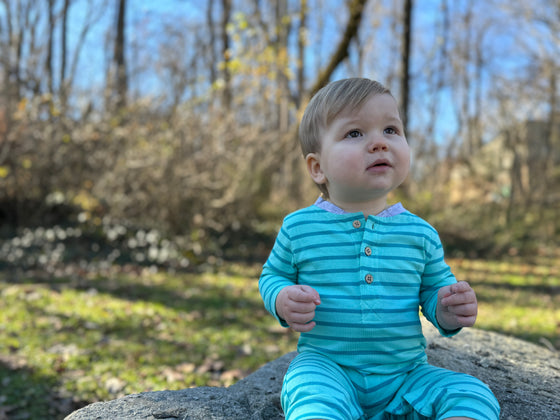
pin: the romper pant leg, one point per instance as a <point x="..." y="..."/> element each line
<point x="317" y="388"/>
<point x="437" y="393"/>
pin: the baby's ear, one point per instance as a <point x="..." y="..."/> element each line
<point x="313" y="161"/>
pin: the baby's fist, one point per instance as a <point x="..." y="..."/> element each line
<point x="457" y="306"/>
<point x="296" y="305"/>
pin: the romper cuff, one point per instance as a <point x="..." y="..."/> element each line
<point x="448" y="333"/>
<point x="444" y="332"/>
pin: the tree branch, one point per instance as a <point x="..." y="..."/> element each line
<point x="356" y="8"/>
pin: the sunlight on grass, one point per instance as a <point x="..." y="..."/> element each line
<point x="101" y="336"/>
<point x="128" y="334"/>
<point x="515" y="298"/>
<point x="527" y="323"/>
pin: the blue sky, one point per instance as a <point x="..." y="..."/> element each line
<point x="144" y="18"/>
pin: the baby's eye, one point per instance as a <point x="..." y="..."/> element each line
<point x="390" y="130"/>
<point x="353" y="134"/>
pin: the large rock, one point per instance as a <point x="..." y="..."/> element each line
<point x="524" y="377"/>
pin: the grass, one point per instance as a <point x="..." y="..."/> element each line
<point x="75" y="337"/>
<point x="516" y="298"/>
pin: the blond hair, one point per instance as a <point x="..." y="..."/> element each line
<point x="327" y="104"/>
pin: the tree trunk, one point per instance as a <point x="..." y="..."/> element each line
<point x="301" y="51"/>
<point x="405" y="62"/>
<point x="119" y="58"/>
<point x="281" y="47"/>
<point x="211" y="45"/>
<point x="50" y="40"/>
<point x="63" y="52"/>
<point x="226" y="55"/>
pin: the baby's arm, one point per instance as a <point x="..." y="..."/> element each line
<point x="296" y="305"/>
<point x="457" y="306"/>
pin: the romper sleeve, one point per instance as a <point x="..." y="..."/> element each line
<point x="436" y="275"/>
<point x="278" y="272"/>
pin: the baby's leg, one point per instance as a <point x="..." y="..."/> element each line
<point x="442" y="394"/>
<point x="317" y="388"/>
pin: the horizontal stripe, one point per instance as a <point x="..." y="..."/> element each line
<point x="338" y="310"/>
<point x="338" y="245"/>
<point x="344" y="220"/>
<point x="368" y="297"/>
<point x="358" y="352"/>
<point x="322" y="233"/>
<point x="363" y="339"/>
<point x="385" y="245"/>
<point x="358" y="269"/>
<point x="355" y="257"/>
<point x="364" y="325"/>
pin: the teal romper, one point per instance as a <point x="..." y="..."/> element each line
<point x="365" y="358"/>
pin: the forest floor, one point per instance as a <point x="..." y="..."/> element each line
<point x="72" y="332"/>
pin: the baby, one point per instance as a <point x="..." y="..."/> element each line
<point x="350" y="274"/>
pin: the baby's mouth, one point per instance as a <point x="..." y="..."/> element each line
<point x="381" y="163"/>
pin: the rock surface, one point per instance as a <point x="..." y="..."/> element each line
<point x="524" y="377"/>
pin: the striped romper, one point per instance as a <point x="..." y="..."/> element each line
<point x="365" y="358"/>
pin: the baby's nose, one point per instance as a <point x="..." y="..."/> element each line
<point x="377" y="144"/>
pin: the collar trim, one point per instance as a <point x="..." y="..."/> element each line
<point x="390" y="211"/>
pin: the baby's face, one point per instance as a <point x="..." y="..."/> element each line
<point x="364" y="153"/>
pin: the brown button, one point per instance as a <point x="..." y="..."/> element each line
<point x="369" y="279"/>
<point x="368" y="251"/>
<point x="356" y="223"/>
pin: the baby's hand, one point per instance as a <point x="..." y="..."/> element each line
<point x="457" y="306"/>
<point x="296" y="305"/>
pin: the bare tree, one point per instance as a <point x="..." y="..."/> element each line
<point x="121" y="77"/>
<point x="405" y="61"/>
<point x="63" y="54"/>
<point x="226" y="54"/>
<point x="355" y="9"/>
<point x="437" y="80"/>
<point x="94" y="13"/>
<point x="210" y="55"/>
<point x="50" y="41"/>
<point x="301" y="38"/>
<point x="282" y="32"/>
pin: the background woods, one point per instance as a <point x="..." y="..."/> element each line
<point x="148" y="153"/>
<point x="182" y="117"/>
